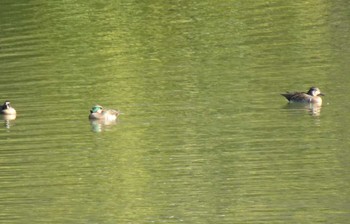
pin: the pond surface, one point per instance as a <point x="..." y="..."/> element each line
<point x="205" y="136"/>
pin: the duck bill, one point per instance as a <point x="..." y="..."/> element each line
<point x="321" y="94"/>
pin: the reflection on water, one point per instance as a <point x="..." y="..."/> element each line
<point x="8" y="119"/>
<point x="100" y="125"/>
<point x="313" y="109"/>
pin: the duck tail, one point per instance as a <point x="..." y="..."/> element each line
<point x="288" y="96"/>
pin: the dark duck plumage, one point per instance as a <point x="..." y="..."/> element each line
<point x="312" y="96"/>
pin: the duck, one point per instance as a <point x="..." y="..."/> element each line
<point x="97" y="112"/>
<point x="6" y="109"/>
<point x="312" y="96"/>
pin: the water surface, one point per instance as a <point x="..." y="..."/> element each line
<point x="204" y="136"/>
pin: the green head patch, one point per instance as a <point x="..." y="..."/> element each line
<point x="96" y="108"/>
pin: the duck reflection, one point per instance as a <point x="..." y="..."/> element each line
<point x="102" y="125"/>
<point x="8" y="119"/>
<point x="314" y="109"/>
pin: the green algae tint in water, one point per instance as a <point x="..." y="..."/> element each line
<point x="204" y="135"/>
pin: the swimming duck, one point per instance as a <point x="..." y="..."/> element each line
<point x="6" y="109"/>
<point x="312" y="96"/>
<point x="97" y="113"/>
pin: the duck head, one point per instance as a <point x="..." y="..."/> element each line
<point x="314" y="91"/>
<point x="6" y="105"/>
<point x="96" y="109"/>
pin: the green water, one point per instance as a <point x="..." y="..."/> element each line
<point x="204" y="136"/>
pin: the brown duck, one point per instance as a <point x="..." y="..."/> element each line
<point x="312" y="96"/>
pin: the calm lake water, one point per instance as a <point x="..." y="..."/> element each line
<point x="205" y="136"/>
